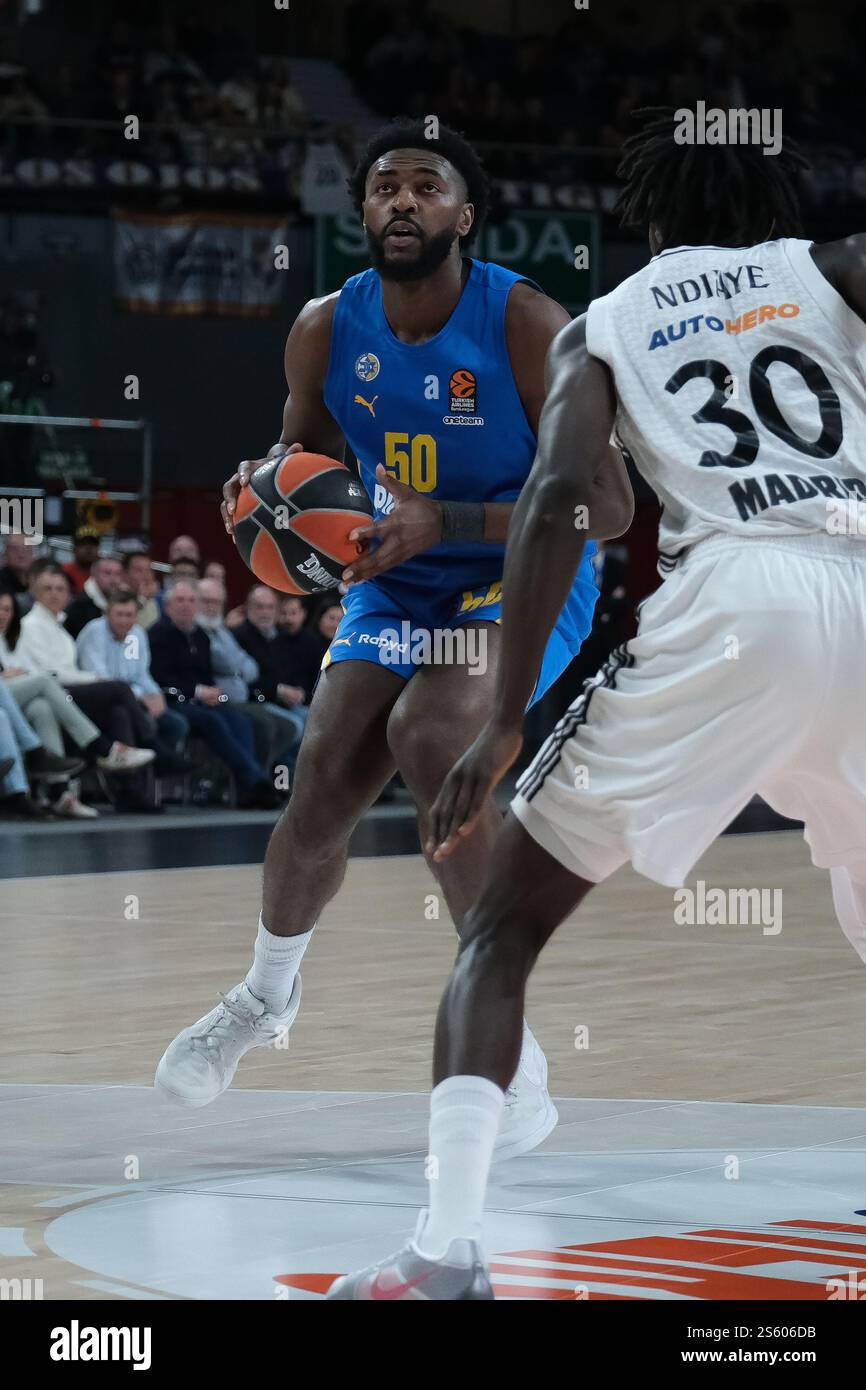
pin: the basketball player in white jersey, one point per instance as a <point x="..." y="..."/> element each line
<point x="733" y="370"/>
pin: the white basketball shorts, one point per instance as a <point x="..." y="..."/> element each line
<point x="747" y="675"/>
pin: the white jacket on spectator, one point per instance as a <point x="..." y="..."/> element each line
<point x="45" y="646"/>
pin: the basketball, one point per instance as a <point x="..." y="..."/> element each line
<point x="293" y="520"/>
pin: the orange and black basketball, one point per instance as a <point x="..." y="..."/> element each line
<point x="293" y="520"/>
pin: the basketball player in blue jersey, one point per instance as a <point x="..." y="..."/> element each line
<point x="431" y="366"/>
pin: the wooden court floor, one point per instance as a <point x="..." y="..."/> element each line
<point x="625" y="1001"/>
<point x="102" y="971"/>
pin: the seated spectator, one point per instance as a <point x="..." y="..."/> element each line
<point x="139" y="579"/>
<point x="180" y="662"/>
<point x="84" y="551"/>
<point x="105" y="578"/>
<point x="184" y="548"/>
<point x="115" y="648"/>
<point x="286" y="671"/>
<point x="237" y="673"/>
<point x="49" y="710"/>
<point x="28" y="759"/>
<point x="214" y="570"/>
<point x="325" y="621"/>
<point x="47" y="649"/>
<point x="303" y="643"/>
<point x="184" y="568"/>
<point x="18" y="560"/>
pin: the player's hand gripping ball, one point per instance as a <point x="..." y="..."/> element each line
<point x="293" y="519"/>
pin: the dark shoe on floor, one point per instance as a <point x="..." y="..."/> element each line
<point x="44" y="766"/>
<point x="23" y="807"/>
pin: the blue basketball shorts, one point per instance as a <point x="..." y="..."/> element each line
<point x="405" y="633"/>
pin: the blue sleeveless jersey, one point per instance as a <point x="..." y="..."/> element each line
<point x="445" y="418"/>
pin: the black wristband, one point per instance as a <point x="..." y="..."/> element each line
<point x="462" y="521"/>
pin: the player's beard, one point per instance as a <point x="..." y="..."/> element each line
<point x="434" y="252"/>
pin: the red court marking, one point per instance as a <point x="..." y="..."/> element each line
<point x="602" y="1263"/>
<point x="798" y="1243"/>
<point x="824" y="1226"/>
<point x="312" y="1283"/>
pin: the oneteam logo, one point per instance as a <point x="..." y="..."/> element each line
<point x="77" y="1343"/>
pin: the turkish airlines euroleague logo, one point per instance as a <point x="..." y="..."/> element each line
<point x="464" y="392"/>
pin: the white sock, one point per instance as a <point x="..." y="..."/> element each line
<point x="275" y="966"/>
<point x="464" y="1120"/>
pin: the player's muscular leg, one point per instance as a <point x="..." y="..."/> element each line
<point x="526" y="894"/>
<point x="343" y="765"/>
<point x="436" y="718"/>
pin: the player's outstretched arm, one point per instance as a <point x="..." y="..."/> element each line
<point x="307" y="422"/>
<point x="544" y="549"/>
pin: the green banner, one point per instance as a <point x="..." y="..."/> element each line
<point x="558" y="250"/>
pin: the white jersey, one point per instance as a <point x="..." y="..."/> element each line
<point x="740" y="377"/>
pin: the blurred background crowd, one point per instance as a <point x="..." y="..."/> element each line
<point x="134" y="675"/>
<point x="210" y="84"/>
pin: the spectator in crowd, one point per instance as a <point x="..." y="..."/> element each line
<point x="51" y="712"/>
<point x="214" y="570"/>
<point x="180" y="662"/>
<point x="301" y="641"/>
<point x="18" y="560"/>
<point x="17" y="742"/>
<point x="184" y="548"/>
<point x="31" y="760"/>
<point x="184" y="568"/>
<point x="115" y="648"/>
<point x="280" y="673"/>
<point x="84" y="551"/>
<point x="106" y="577"/>
<point x="237" y="673"/>
<point x="326" y="620"/>
<point x="47" y="649"/>
<point x="139" y="579"/>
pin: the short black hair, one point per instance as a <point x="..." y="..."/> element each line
<point x="700" y="195"/>
<point x="406" y="133"/>
<point x="131" y="555"/>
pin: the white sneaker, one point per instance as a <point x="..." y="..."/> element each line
<point x="200" y="1063"/>
<point x="69" y="806"/>
<point x="529" y="1114"/>
<point x="121" y="758"/>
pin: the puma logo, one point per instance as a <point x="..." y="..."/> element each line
<point x="359" y="400"/>
<point x="343" y="641"/>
